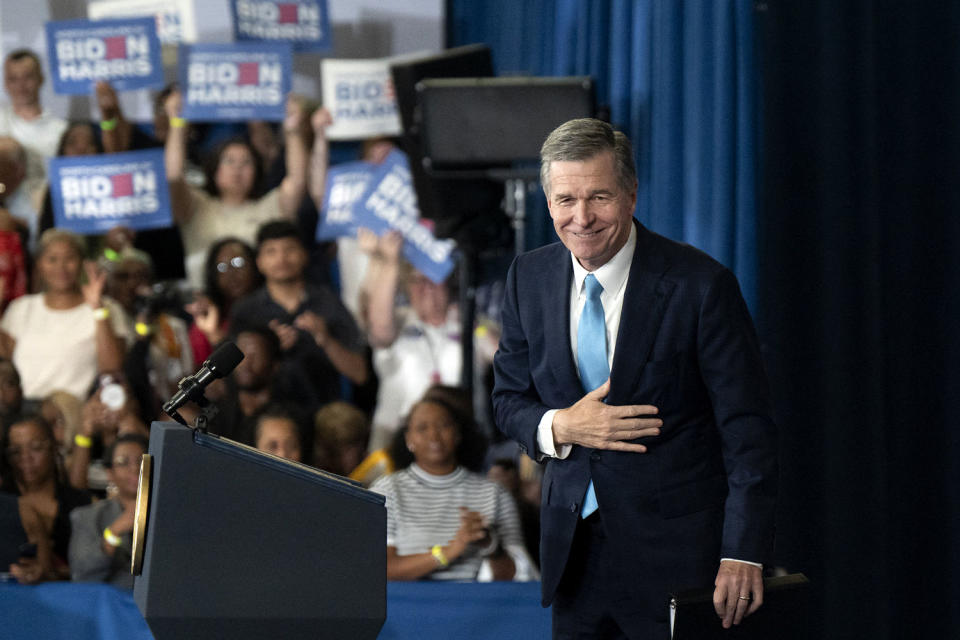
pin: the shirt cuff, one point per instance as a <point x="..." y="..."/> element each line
<point x="756" y="564"/>
<point x="545" y="438"/>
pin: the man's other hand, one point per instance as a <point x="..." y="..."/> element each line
<point x="739" y="591"/>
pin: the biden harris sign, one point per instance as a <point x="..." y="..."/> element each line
<point x="303" y="23"/>
<point x="390" y="203"/>
<point x="235" y="82"/>
<point x="125" y="53"/>
<point x="92" y="194"/>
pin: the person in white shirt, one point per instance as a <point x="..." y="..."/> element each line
<point x="24" y="118"/>
<point x="61" y="338"/>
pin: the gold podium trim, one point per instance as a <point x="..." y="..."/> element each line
<point x="140" y="515"/>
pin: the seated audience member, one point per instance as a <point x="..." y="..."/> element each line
<point x="15" y="196"/>
<point x="14" y="260"/>
<point x="256" y="382"/>
<point x="317" y="334"/>
<point x="340" y="433"/>
<point x="230" y="274"/>
<point x="11" y="393"/>
<point x="24" y="544"/>
<point x="110" y="412"/>
<point x="160" y="356"/>
<point x="24" y="118"/>
<point x="229" y="206"/>
<point x="279" y="430"/>
<point x="414" y="346"/>
<point x="31" y="470"/>
<point x="60" y="338"/>
<point x="101" y="541"/>
<point x="444" y="520"/>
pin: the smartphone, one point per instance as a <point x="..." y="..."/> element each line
<point x="28" y="550"/>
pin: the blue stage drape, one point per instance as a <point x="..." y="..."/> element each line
<point x="679" y="79"/>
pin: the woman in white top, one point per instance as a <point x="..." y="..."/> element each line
<point x="61" y="338"/>
<point x="228" y="206"/>
<point x="444" y="520"/>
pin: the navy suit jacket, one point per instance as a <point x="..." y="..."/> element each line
<point x="706" y="487"/>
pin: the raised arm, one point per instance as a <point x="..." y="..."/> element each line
<point x="319" y="156"/>
<point x="175" y="159"/>
<point x="115" y="131"/>
<point x="380" y="285"/>
<point x="110" y="347"/>
<point x="294" y="185"/>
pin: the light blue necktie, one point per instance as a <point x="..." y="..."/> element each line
<point x="592" y="358"/>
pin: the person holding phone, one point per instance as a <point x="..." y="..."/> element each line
<point x="31" y="470"/>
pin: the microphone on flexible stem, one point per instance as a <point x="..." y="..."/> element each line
<point x="220" y="363"/>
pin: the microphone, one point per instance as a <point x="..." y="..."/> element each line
<point x="220" y="363"/>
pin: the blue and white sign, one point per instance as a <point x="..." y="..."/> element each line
<point x="391" y="203"/>
<point x="176" y="19"/>
<point x="93" y="194"/>
<point x="360" y="97"/>
<point x="346" y="185"/>
<point x="125" y="53"/>
<point x="303" y="23"/>
<point x="235" y="82"/>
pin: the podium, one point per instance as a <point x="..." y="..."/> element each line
<point x="230" y="542"/>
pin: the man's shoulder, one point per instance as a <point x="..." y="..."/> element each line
<point x="675" y="259"/>
<point x="537" y="264"/>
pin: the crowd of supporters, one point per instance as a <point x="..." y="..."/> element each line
<point x="352" y="356"/>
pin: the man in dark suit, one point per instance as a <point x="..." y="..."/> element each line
<point x="630" y="364"/>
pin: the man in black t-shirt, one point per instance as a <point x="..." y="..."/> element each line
<point x="317" y="334"/>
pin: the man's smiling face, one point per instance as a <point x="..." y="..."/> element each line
<point x="591" y="211"/>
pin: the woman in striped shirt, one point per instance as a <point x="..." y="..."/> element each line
<point x="445" y="521"/>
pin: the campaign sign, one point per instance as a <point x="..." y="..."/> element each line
<point x="303" y="23"/>
<point x="391" y="203"/>
<point x="346" y="184"/>
<point x="92" y="194"/>
<point x="235" y="82"/>
<point x="125" y="53"/>
<point x="176" y="19"/>
<point x="360" y="97"/>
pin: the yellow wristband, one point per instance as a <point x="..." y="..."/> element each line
<point x="112" y="539"/>
<point x="108" y="125"/>
<point x="82" y="441"/>
<point x="437" y="552"/>
<point x="101" y="313"/>
<point x="142" y="329"/>
<point x="177" y="122"/>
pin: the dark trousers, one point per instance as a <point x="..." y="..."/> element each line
<point x="596" y="600"/>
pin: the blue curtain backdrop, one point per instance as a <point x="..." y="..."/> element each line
<point x="679" y="80"/>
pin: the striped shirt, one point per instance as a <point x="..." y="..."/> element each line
<point x="423" y="511"/>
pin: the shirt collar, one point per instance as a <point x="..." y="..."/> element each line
<point x="613" y="274"/>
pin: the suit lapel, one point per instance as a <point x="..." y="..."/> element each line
<point x="644" y="303"/>
<point x="556" y="329"/>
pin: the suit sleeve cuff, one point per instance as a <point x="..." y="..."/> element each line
<point x="545" y="438"/>
<point x="756" y="564"/>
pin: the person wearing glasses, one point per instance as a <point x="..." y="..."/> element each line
<point x="102" y="538"/>
<point x="31" y="469"/>
<point x="229" y="275"/>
